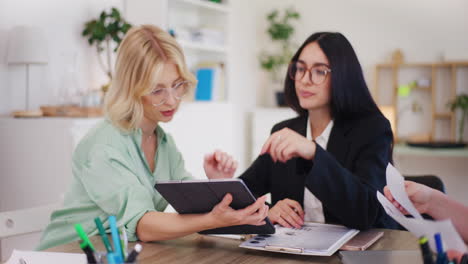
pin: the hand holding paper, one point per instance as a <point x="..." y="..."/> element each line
<point x="417" y="225"/>
<point x="396" y="184"/>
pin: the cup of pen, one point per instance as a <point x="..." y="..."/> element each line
<point x="103" y="257"/>
<point x="116" y="254"/>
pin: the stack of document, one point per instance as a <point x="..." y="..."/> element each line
<point x="37" y="257"/>
<point x="312" y="239"/>
<point x="417" y="225"/>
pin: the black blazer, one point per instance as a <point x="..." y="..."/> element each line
<point x="344" y="178"/>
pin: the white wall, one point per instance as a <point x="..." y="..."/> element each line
<point x="62" y="22"/>
<point x="423" y="30"/>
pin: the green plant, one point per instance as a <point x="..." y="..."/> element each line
<point x="280" y="31"/>
<point x="460" y="102"/>
<point x="107" y="30"/>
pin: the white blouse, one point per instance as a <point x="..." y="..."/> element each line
<point x="313" y="208"/>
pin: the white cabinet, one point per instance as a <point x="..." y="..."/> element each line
<point x="263" y="120"/>
<point x="35" y="167"/>
<point x="200" y="128"/>
<point x="35" y="159"/>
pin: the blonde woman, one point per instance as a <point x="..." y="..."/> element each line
<point x="117" y="163"/>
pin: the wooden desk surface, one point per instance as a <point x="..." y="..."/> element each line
<point x="206" y="249"/>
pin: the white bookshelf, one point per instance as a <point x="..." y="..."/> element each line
<point x="201" y="27"/>
<point x="196" y="46"/>
<point x="218" y="7"/>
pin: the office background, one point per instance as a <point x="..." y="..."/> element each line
<point x="425" y="31"/>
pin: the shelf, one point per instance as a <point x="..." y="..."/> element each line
<point x="422" y="88"/>
<point x="403" y="149"/>
<point x="443" y="115"/>
<point x="187" y="45"/>
<point x="422" y="64"/>
<point x="207" y="5"/>
<point x="403" y="65"/>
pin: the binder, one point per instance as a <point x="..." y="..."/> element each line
<point x="313" y="239"/>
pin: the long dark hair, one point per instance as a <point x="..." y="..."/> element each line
<point x="350" y="96"/>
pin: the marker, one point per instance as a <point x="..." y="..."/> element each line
<point x="89" y="252"/>
<point x="464" y="259"/>
<point x="425" y="250"/>
<point x="123" y="241"/>
<point x="441" y="255"/>
<point x="111" y="258"/>
<point x="103" y="234"/>
<point x="134" y="254"/>
<point x="79" y="229"/>
<point x="115" y="239"/>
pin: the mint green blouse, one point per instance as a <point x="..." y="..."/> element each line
<point x="111" y="177"/>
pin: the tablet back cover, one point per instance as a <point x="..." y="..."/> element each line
<point x="195" y="197"/>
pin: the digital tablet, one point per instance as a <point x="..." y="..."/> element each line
<point x="200" y="196"/>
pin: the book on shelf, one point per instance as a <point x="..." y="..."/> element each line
<point x="210" y="86"/>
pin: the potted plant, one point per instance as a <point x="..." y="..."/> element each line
<point x="105" y="33"/>
<point x="280" y="31"/>
<point x="460" y="102"/>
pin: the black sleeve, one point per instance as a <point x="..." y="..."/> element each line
<point x="350" y="196"/>
<point x="256" y="177"/>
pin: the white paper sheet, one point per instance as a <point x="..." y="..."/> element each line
<point x="396" y="184"/>
<point x="417" y="225"/>
<point x="423" y="227"/>
<point x="39" y="257"/>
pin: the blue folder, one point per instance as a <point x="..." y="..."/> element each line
<point x="204" y="90"/>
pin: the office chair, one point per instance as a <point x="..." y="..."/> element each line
<point x="428" y="180"/>
<point x="431" y="181"/>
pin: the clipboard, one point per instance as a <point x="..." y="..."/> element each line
<point x="200" y="196"/>
<point x="314" y="239"/>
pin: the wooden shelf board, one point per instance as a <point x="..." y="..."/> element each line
<point x="422" y="64"/>
<point x="422" y="88"/>
<point x="443" y="115"/>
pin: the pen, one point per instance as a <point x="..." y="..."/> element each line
<point x="134" y="254"/>
<point x="123" y="242"/>
<point x="103" y="234"/>
<point x="83" y="236"/>
<point x="286" y="249"/>
<point x="115" y="239"/>
<point x="111" y="258"/>
<point x="425" y="250"/>
<point x="441" y="255"/>
<point x="89" y="252"/>
<point x="464" y="259"/>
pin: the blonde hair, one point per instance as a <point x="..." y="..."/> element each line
<point x="140" y="60"/>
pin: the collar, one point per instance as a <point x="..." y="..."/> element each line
<point x="161" y="135"/>
<point x="325" y="134"/>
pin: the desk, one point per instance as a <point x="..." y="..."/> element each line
<point x="205" y="249"/>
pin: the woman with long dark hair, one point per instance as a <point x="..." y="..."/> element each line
<point x="326" y="164"/>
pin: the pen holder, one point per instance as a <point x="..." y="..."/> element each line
<point x="101" y="258"/>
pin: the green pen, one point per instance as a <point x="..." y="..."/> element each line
<point x="79" y="229"/>
<point x="103" y="234"/>
<point x="123" y="242"/>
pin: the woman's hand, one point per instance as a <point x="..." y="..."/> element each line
<point x="286" y="144"/>
<point x="287" y="213"/>
<point x="254" y="214"/>
<point x="420" y="195"/>
<point x="219" y="165"/>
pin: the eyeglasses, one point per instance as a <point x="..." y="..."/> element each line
<point x="317" y="74"/>
<point x="161" y="95"/>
